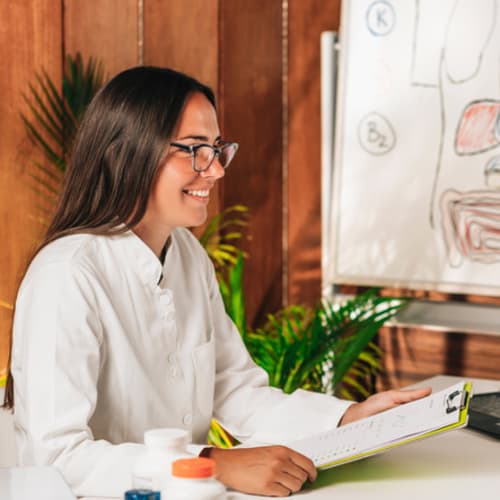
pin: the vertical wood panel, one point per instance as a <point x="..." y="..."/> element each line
<point x="105" y="29"/>
<point x="30" y="38"/>
<point x="306" y="20"/>
<point x="251" y="110"/>
<point x="175" y="38"/>
<point x="183" y="36"/>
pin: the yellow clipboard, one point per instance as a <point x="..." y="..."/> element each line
<point x="461" y="422"/>
<point x="331" y="449"/>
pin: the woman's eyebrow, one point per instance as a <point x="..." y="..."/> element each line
<point x="198" y="138"/>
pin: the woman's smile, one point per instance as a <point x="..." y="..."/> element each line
<point x="201" y="195"/>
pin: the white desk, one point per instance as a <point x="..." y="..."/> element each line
<point x="458" y="465"/>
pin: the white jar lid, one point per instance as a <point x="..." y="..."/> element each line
<point x="166" y="437"/>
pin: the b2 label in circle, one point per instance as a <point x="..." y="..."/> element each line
<point x="376" y="134"/>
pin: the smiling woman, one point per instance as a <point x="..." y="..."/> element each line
<point x="121" y="311"/>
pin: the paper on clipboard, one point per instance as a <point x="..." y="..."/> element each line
<point x="444" y="410"/>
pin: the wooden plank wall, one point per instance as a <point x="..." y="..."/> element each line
<point x="251" y="97"/>
<point x="306" y="21"/>
<point x="411" y="354"/>
<point x="104" y="29"/>
<point x="29" y="40"/>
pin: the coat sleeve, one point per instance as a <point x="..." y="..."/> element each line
<point x="57" y="353"/>
<point x="245" y="404"/>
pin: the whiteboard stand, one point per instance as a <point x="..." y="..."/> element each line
<point x="329" y="48"/>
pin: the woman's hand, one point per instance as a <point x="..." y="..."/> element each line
<point x="266" y="470"/>
<point x="380" y="402"/>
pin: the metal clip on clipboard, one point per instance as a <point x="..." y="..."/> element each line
<point x="450" y="406"/>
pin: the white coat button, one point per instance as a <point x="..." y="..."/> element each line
<point x="188" y="419"/>
<point x="165" y="300"/>
<point x="171" y="358"/>
<point x="173" y="371"/>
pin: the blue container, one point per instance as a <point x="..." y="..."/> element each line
<point x="142" y="495"/>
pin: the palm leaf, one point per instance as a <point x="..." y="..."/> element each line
<point x="55" y="112"/>
<point x="232" y="294"/>
<point x="300" y="347"/>
<point x="219" y="237"/>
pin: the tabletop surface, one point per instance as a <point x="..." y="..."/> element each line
<point x="461" y="464"/>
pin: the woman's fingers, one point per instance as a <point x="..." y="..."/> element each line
<point x="304" y="466"/>
<point x="405" y="396"/>
<point x="382" y="401"/>
<point x="291" y="483"/>
<point x="267" y="470"/>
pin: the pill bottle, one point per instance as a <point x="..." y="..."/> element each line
<point x="163" y="446"/>
<point x="142" y="495"/>
<point x="193" y="478"/>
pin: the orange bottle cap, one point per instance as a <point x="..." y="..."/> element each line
<point x="193" y="467"/>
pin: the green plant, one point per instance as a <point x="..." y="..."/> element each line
<point x="326" y="349"/>
<point x="220" y="234"/>
<point x="231" y="288"/>
<point x="316" y="348"/>
<point x="56" y="111"/>
<point x="359" y="381"/>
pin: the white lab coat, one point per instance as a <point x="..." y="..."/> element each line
<point x="109" y="343"/>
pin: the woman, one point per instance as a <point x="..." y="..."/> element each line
<point x="119" y="324"/>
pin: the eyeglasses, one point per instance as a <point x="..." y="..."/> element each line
<point x="202" y="155"/>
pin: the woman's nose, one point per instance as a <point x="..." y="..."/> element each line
<point x="215" y="169"/>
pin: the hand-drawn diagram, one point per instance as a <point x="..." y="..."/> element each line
<point x="417" y="146"/>
<point x="469" y="217"/>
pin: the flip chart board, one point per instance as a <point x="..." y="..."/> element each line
<point x="416" y="188"/>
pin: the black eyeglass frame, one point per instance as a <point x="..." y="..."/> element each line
<point x="193" y="148"/>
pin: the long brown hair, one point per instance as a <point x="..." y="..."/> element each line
<point x="116" y="156"/>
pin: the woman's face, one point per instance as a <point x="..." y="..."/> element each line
<point x="180" y="196"/>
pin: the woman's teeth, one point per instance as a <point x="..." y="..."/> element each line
<point x="200" y="193"/>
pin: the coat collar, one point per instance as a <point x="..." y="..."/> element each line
<point x="141" y="258"/>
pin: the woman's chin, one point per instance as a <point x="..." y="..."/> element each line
<point x="199" y="220"/>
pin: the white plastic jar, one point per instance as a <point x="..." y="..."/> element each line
<point x="193" y="478"/>
<point x="163" y="446"/>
